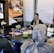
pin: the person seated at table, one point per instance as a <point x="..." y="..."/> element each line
<point x="52" y="25"/>
<point x="40" y="45"/>
<point x="36" y="20"/>
<point x="38" y="30"/>
<point x="40" y="39"/>
<point x="6" y="46"/>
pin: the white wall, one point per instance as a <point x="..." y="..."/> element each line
<point x="45" y="9"/>
<point x="28" y="10"/>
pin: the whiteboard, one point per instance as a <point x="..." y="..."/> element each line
<point x="45" y="9"/>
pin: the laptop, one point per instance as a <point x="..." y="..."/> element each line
<point x="50" y="31"/>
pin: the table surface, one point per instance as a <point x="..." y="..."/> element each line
<point x="19" y="35"/>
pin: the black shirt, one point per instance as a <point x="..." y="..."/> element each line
<point x="40" y="22"/>
<point x="52" y="26"/>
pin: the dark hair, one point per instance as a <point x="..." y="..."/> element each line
<point x="37" y="14"/>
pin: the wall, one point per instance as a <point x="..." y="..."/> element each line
<point x="28" y="10"/>
<point x="45" y="9"/>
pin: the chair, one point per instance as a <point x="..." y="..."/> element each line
<point x="1" y="51"/>
<point x="16" y="45"/>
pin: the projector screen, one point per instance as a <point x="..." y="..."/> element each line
<point x="45" y="9"/>
<point x="1" y="11"/>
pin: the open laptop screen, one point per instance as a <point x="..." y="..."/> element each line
<point x="50" y="32"/>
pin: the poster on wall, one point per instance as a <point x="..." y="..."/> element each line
<point x="1" y="11"/>
<point x="15" y="9"/>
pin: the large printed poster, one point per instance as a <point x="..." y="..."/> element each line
<point x="15" y="9"/>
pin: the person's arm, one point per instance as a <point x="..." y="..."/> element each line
<point x="32" y="22"/>
<point x="41" y="22"/>
<point x="34" y="34"/>
<point x="32" y="25"/>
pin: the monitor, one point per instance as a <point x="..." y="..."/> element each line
<point x="1" y="10"/>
